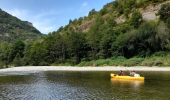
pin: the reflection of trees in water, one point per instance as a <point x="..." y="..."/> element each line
<point x="15" y="79"/>
<point x="80" y="84"/>
<point x="77" y="78"/>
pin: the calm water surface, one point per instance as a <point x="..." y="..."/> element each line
<point x="82" y="86"/>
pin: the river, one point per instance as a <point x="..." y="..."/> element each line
<point x="82" y="86"/>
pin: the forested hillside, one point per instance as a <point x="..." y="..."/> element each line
<point x="12" y="28"/>
<point x="123" y="32"/>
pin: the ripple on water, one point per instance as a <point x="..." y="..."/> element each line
<point x="78" y="86"/>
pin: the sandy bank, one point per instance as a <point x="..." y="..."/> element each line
<point x="63" y="68"/>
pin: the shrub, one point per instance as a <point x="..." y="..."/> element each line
<point x="164" y="12"/>
<point x="136" y="19"/>
<point x="168" y="22"/>
<point x="133" y="61"/>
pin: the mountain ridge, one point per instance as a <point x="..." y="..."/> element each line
<point x="12" y="29"/>
<point x="149" y="12"/>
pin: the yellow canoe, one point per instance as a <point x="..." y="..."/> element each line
<point x="115" y="76"/>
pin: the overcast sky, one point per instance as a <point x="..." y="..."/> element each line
<point x="49" y="15"/>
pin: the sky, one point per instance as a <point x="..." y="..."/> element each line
<point x="49" y="15"/>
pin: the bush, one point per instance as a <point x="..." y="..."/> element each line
<point x="153" y="61"/>
<point x="168" y="22"/>
<point x="157" y="59"/>
<point x="164" y="12"/>
<point x="136" y="19"/>
<point x="133" y="61"/>
<point x="140" y="3"/>
<point x="44" y="63"/>
<point x="160" y="54"/>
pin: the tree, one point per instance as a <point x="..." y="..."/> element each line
<point x="76" y="46"/>
<point x="103" y="11"/>
<point x="5" y="49"/>
<point x="17" y="48"/>
<point x="136" y="19"/>
<point x="108" y="37"/>
<point x="143" y="41"/>
<point x="163" y="35"/>
<point x="92" y="12"/>
<point x="168" y="22"/>
<point x="164" y="11"/>
<point x="57" y="47"/>
<point x="17" y="60"/>
<point x="37" y="54"/>
<point x="93" y="38"/>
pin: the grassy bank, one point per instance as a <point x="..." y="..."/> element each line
<point x="161" y="59"/>
<point x="158" y="59"/>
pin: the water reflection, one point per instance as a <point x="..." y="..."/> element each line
<point x="83" y="86"/>
<point x="136" y="84"/>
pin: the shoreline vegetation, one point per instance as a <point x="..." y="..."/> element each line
<point x="71" y="68"/>
<point x="161" y="59"/>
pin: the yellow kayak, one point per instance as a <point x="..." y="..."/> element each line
<point x="115" y="76"/>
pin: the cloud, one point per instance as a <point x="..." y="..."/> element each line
<point x="42" y="21"/>
<point x="85" y="4"/>
<point x="22" y="14"/>
<point x="47" y="13"/>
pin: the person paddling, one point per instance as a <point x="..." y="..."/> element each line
<point x="134" y="74"/>
<point x="121" y="73"/>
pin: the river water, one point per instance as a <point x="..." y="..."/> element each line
<point x="82" y="86"/>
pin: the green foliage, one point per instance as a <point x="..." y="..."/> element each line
<point x="94" y="40"/>
<point x="117" y="61"/>
<point x="92" y="12"/>
<point x="157" y="59"/>
<point x="17" y="49"/>
<point x="164" y="11"/>
<point x="140" y="3"/>
<point x="136" y="19"/>
<point x="12" y="28"/>
<point x="165" y="14"/>
<point x="77" y="46"/>
<point x="5" y="49"/>
<point x="133" y="61"/>
<point x="163" y="35"/>
<point x="94" y="36"/>
<point x="150" y="37"/>
<point x="125" y="6"/>
<point x="103" y="11"/>
<point x="18" y="60"/>
<point x="37" y="54"/>
<point x="168" y="22"/>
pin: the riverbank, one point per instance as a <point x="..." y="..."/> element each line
<point x="70" y="68"/>
<point x="157" y="59"/>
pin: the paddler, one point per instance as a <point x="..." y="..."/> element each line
<point x="121" y="73"/>
<point x="134" y="74"/>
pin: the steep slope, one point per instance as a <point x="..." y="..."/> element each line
<point x="12" y="28"/>
<point x="124" y="28"/>
<point x="123" y="32"/>
<point x="120" y="11"/>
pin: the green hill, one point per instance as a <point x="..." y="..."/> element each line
<point x="12" y="28"/>
<point x="123" y="32"/>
